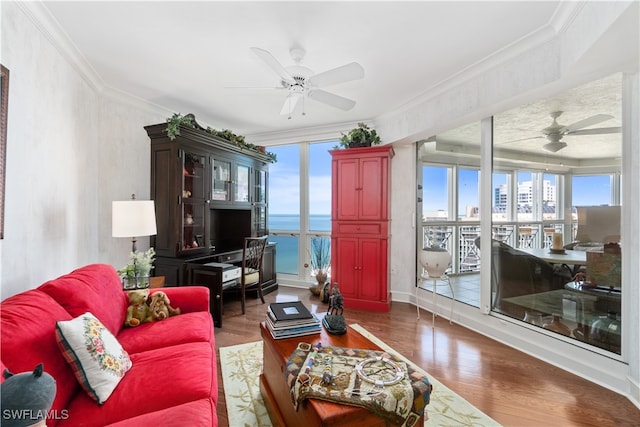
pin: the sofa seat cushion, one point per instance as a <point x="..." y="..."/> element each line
<point x="97" y="358"/>
<point x="28" y="324"/>
<point x="180" y="329"/>
<point x="158" y="379"/>
<point x="95" y="288"/>
<point x="199" y="413"/>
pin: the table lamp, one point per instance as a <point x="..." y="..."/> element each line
<point x="133" y="218"/>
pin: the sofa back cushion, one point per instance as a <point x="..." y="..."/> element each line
<point x="94" y="288"/>
<point x="28" y="325"/>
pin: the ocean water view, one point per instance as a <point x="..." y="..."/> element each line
<point x="287" y="246"/>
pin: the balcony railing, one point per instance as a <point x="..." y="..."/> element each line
<point x="461" y="239"/>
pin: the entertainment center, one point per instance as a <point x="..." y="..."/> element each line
<point x="209" y="195"/>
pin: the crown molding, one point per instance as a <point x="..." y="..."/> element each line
<point x="51" y="29"/>
<point x="308" y="134"/>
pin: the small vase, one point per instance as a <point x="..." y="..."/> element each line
<point x="321" y="277"/>
<point x="557" y="326"/>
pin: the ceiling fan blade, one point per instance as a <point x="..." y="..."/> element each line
<point x="332" y="99"/>
<point x="345" y="73"/>
<point x="590" y="121"/>
<point x="255" y="87"/>
<point x="273" y="64"/>
<point x="595" y="131"/>
<point x="290" y="104"/>
<point x="521" y="139"/>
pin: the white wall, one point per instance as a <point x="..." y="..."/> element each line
<point x="71" y="149"/>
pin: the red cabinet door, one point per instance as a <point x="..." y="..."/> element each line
<point x="371" y="190"/>
<point x="360" y="186"/>
<point x="372" y="283"/>
<point x="344" y="268"/>
<point x="346" y="179"/>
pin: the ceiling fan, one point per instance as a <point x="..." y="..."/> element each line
<point x="300" y="81"/>
<point x="555" y="132"/>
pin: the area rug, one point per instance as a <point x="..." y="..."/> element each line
<point x="242" y="365"/>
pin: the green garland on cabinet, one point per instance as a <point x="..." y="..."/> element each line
<point x="189" y="120"/>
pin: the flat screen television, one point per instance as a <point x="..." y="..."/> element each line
<point x="229" y="227"/>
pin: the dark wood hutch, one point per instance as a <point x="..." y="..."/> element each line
<point x="209" y="195"/>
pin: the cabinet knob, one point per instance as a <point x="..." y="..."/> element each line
<point x="207" y="201"/>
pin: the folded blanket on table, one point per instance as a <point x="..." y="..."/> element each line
<point x="375" y="380"/>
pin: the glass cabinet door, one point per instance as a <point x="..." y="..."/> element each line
<point x="241" y="193"/>
<point x="193" y="226"/>
<point x="260" y="220"/>
<point x="260" y="186"/>
<point x="195" y="192"/>
<point x="221" y="190"/>
<point x="193" y="176"/>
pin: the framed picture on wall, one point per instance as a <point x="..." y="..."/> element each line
<point x="4" y="105"/>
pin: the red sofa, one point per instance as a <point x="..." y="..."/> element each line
<point x="172" y="380"/>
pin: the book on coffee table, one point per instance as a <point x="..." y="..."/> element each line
<point x="275" y="325"/>
<point x="287" y="311"/>
<point x="291" y="319"/>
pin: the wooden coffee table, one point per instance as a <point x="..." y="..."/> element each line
<point x="312" y="412"/>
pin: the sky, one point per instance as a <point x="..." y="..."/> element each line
<point x="284" y="183"/>
<point x="284" y="179"/>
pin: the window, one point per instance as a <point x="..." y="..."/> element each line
<point x="299" y="205"/>
<point x="284" y="207"/>
<point x="435" y="193"/>
<point x="320" y="186"/>
<point x="469" y="194"/>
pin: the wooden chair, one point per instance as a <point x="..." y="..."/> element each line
<point x="252" y="271"/>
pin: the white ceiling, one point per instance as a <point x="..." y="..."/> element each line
<point x="184" y="55"/>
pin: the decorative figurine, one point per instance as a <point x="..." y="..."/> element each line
<point x="334" y="320"/>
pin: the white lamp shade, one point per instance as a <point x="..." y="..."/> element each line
<point x="133" y="218"/>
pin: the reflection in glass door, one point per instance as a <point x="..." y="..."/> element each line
<point x="552" y="275"/>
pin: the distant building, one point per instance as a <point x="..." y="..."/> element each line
<point x="525" y="194"/>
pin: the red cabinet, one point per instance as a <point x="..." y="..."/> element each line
<point x="360" y="226"/>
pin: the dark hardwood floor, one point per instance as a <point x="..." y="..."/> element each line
<point x="511" y="387"/>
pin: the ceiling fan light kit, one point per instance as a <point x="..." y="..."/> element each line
<point x="300" y="81"/>
<point x="554" y="146"/>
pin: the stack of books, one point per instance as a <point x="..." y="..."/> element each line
<point x="291" y="319"/>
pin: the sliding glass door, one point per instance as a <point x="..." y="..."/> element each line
<point x="556" y="256"/>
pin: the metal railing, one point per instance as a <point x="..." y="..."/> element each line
<point x="460" y="239"/>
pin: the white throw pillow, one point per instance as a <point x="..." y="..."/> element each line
<point x="98" y="360"/>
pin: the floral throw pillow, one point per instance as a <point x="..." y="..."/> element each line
<point x="98" y="360"/>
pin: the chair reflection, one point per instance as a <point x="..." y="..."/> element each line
<point x="527" y="237"/>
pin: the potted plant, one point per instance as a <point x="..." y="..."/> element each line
<point x="320" y="263"/>
<point x="135" y="275"/>
<point x="361" y="136"/>
<point x="189" y="120"/>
